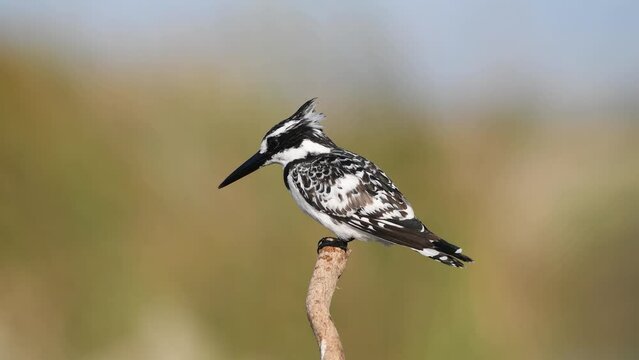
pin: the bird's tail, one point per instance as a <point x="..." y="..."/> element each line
<point x="444" y="252"/>
<point x="413" y="234"/>
<point x="429" y="244"/>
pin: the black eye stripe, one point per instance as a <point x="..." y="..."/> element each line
<point x="272" y="142"/>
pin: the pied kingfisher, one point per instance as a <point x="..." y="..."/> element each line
<point x="343" y="191"/>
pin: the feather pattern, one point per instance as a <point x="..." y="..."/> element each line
<point x="343" y="191"/>
<point x="353" y="197"/>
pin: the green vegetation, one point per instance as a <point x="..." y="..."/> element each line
<point x="116" y="244"/>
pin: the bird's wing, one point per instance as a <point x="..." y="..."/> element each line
<point x="342" y="184"/>
<point x="353" y="190"/>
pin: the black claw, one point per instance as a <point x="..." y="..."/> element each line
<point x="329" y="241"/>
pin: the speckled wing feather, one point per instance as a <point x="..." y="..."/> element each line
<point x="354" y="191"/>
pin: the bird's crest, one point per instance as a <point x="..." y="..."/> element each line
<point x="291" y="132"/>
<point x="307" y="114"/>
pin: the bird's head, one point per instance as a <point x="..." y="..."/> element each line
<point x="296" y="137"/>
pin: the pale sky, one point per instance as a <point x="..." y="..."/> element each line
<point x="564" y="54"/>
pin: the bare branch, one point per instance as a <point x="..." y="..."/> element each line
<point x="331" y="262"/>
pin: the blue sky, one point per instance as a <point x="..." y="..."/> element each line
<point x="567" y="54"/>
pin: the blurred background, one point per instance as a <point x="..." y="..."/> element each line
<point x="513" y="128"/>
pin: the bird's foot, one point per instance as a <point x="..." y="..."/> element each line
<point x="333" y="242"/>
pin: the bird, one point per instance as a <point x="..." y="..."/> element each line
<point x="343" y="191"/>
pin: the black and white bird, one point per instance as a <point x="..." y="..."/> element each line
<point x="343" y="191"/>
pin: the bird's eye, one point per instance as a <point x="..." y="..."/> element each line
<point x="273" y="142"/>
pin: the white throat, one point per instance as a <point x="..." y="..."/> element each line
<point x="306" y="147"/>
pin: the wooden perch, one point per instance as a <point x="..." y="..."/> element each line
<point x="331" y="262"/>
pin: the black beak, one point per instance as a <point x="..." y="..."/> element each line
<point x="248" y="167"/>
